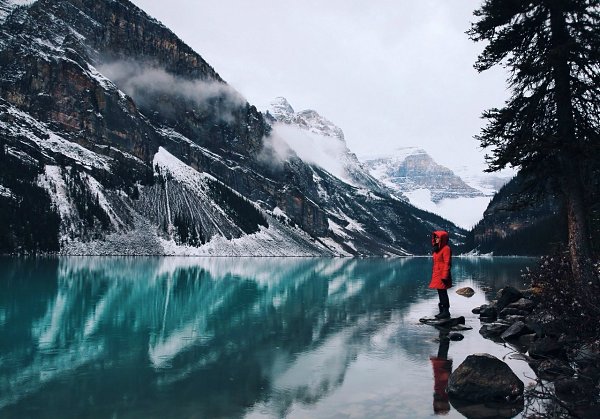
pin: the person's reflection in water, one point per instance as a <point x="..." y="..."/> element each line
<point x="442" y="368"/>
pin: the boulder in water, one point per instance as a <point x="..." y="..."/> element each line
<point x="466" y="291"/>
<point x="485" y="378"/>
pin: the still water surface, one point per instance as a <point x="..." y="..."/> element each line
<point x="233" y="338"/>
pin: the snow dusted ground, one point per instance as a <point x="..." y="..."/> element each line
<point x="277" y="240"/>
<point x="146" y="238"/>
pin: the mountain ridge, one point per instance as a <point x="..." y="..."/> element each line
<point x="109" y="152"/>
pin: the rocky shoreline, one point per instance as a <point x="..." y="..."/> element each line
<point x="567" y="365"/>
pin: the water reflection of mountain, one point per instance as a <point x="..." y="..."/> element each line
<point x="203" y="337"/>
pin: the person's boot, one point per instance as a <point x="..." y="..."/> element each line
<point x="441" y="309"/>
<point x="444" y="312"/>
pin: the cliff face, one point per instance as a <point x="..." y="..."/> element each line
<point x="136" y="145"/>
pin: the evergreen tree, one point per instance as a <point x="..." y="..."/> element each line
<point x="551" y="121"/>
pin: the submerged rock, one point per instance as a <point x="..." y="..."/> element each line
<point x="466" y="291"/>
<point x="485" y="378"/>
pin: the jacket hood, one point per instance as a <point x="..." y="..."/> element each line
<point x="443" y="235"/>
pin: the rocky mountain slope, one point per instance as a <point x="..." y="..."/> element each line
<point x="117" y="138"/>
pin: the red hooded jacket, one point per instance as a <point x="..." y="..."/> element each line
<point x="442" y="262"/>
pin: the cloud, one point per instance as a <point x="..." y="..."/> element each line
<point x="286" y="141"/>
<point x="147" y="84"/>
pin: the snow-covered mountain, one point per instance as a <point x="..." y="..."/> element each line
<point x="118" y="138"/>
<point x="410" y="169"/>
<point x="433" y="187"/>
<point x="318" y="141"/>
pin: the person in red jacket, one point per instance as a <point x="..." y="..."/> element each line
<point x="441" y="278"/>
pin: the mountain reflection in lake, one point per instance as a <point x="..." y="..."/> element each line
<point x="231" y="338"/>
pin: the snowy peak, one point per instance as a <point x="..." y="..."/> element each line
<point x="314" y="122"/>
<point x="281" y="109"/>
<point x="317" y="140"/>
<point x="307" y="119"/>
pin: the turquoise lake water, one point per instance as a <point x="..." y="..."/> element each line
<point x="95" y="337"/>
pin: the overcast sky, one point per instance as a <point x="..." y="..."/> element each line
<point x="390" y="73"/>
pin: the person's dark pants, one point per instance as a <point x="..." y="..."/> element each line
<point x="443" y="294"/>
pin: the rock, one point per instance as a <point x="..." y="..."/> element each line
<point x="453" y="321"/>
<point x="546" y="347"/>
<point x="484" y="378"/>
<point x="486" y="289"/>
<point x="488" y="311"/>
<point x="506" y="296"/>
<point x="551" y="369"/>
<point x="476" y="310"/>
<point x="526" y="340"/>
<point x="456" y="336"/>
<point x="493" y="329"/>
<point x="509" y="311"/>
<point x="573" y="390"/>
<point x="466" y="291"/>
<point x="537" y="328"/>
<point x="586" y="356"/>
<point x="460" y="327"/>
<point x="513" y="318"/>
<point x="516" y="330"/>
<point x="449" y="322"/>
<point x="522" y="304"/>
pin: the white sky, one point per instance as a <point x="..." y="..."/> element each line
<point x="390" y="73"/>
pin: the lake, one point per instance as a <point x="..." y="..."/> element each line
<point x="89" y="337"/>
